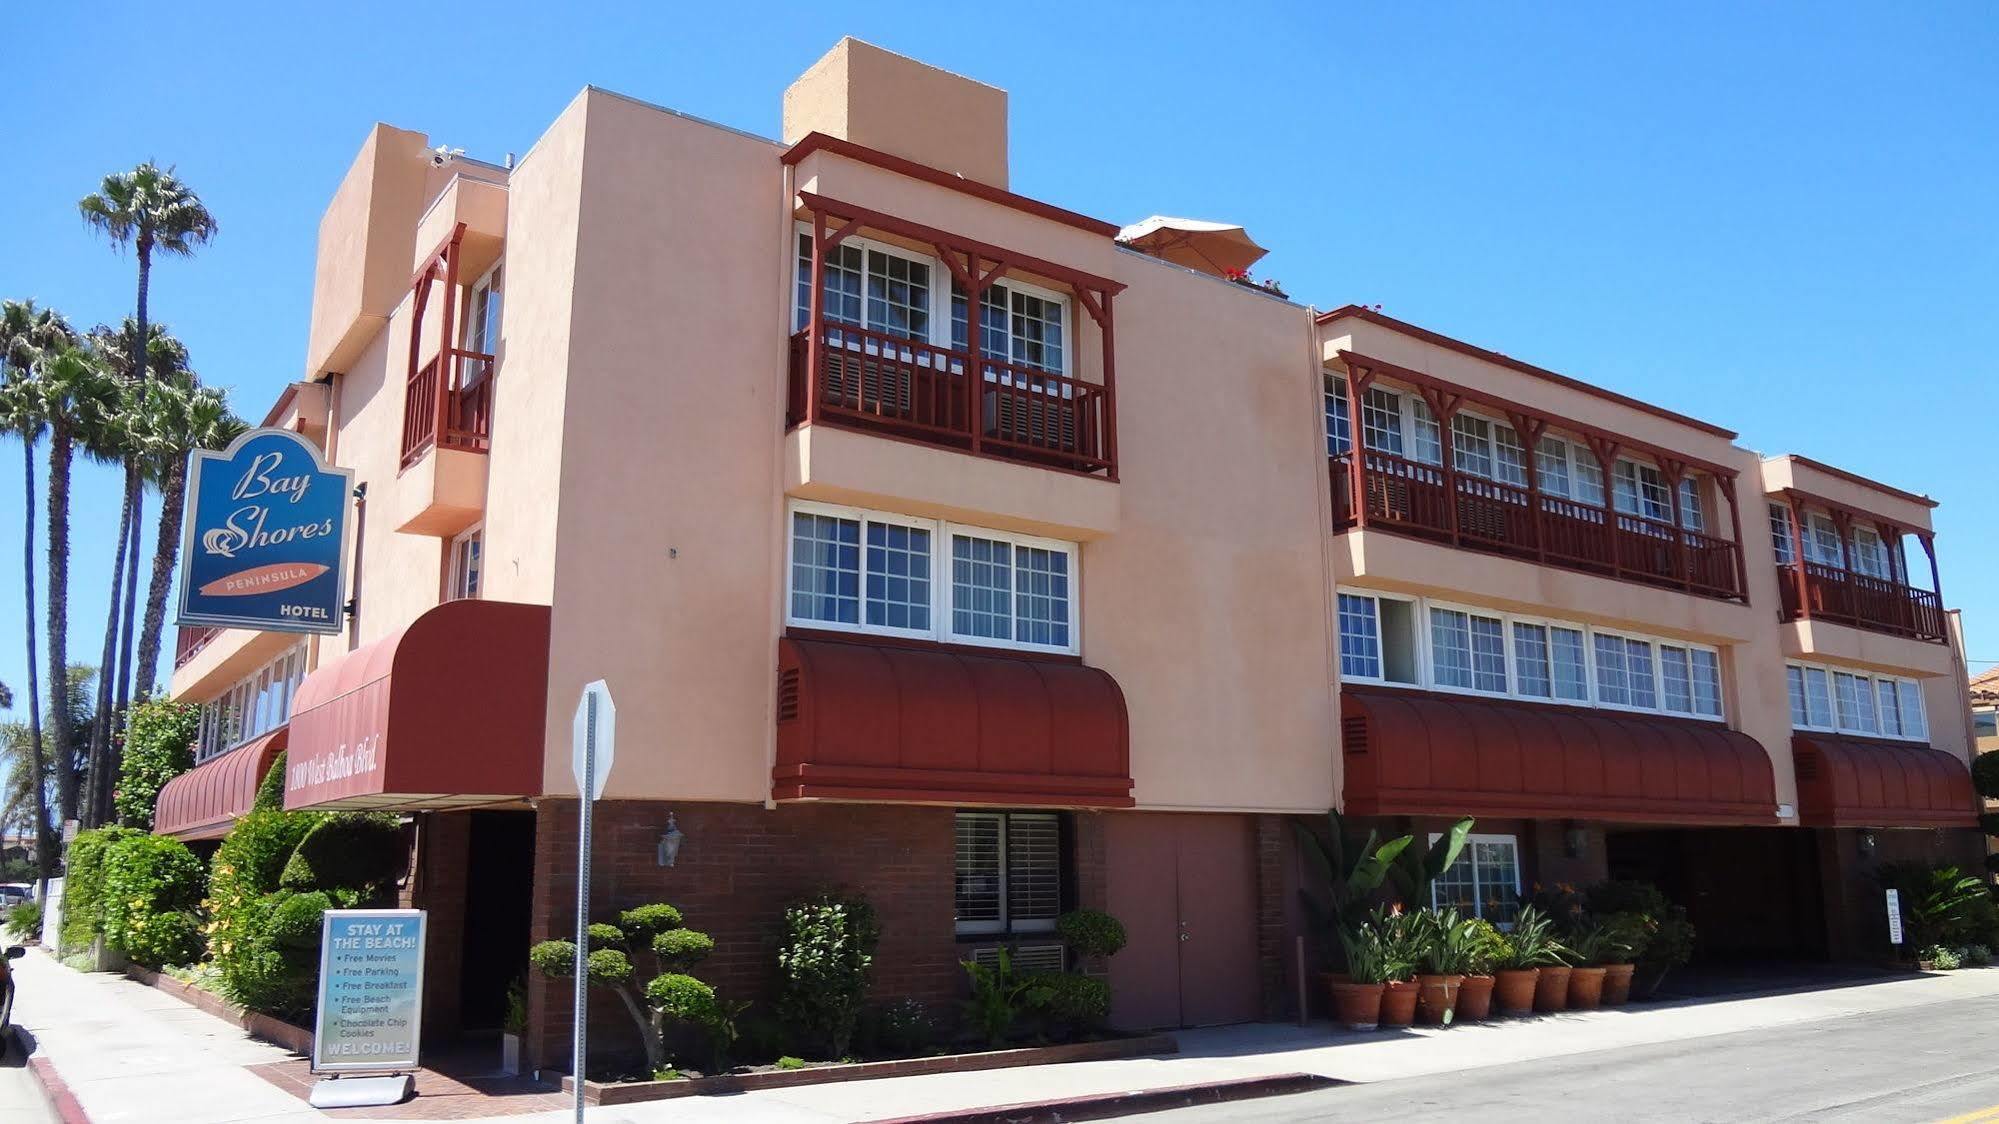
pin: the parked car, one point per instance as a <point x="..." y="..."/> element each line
<point x="14" y="952"/>
<point x="14" y="893"/>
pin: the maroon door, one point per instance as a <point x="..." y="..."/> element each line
<point x="1184" y="886"/>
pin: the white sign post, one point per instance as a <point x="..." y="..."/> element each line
<point x="595" y="740"/>
<point x="1894" y="917"/>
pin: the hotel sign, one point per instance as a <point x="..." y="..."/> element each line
<point x="265" y="536"/>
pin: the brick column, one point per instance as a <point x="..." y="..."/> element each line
<point x="1275" y="950"/>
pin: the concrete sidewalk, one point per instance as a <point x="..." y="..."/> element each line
<point x="131" y="1053"/>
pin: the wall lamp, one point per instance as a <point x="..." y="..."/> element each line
<point x="1575" y="839"/>
<point x="1867" y="844"/>
<point x="670" y="841"/>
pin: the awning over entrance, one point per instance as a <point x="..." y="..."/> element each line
<point x="1416" y="753"/>
<point x="1863" y="782"/>
<point x="207" y="800"/>
<point x="447" y="713"/>
<point x="860" y="721"/>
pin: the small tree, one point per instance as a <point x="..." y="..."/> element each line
<point x="651" y="932"/>
<point x="159" y="746"/>
<point x="825" y="958"/>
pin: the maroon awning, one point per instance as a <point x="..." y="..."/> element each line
<point x="207" y="800"/>
<point x="1419" y="753"/>
<point x="449" y="712"/>
<point x="1867" y="782"/>
<point x="861" y="721"/>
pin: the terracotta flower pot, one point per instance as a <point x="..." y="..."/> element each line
<point x="1356" y="1006"/>
<point x="1398" y="1003"/>
<point x="1551" y="991"/>
<point x="1436" y="999"/>
<point x="1617" y="984"/>
<point x="1514" y="990"/>
<point x="1475" y="999"/>
<point x="1586" y="988"/>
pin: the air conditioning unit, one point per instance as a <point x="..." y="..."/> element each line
<point x="1049" y="957"/>
<point x="1043" y="420"/>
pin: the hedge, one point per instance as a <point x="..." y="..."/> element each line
<point x="83" y="885"/>
<point x="159" y="746"/>
<point x="152" y="886"/>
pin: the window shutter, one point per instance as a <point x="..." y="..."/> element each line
<point x="977" y="896"/>
<point x="1033" y="875"/>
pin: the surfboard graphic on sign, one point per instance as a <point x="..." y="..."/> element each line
<point x="265" y="535"/>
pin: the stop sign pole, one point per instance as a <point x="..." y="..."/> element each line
<point x="593" y="746"/>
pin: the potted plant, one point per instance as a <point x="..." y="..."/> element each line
<point x="513" y="1026"/>
<point x="1669" y="936"/>
<point x="1449" y="944"/>
<point x="1403" y="943"/>
<point x="1357" y="993"/>
<point x="1589" y="951"/>
<point x="1528" y="948"/>
<point x="1630" y="933"/>
<point x="1488" y="945"/>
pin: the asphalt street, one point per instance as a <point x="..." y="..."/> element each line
<point x="1936" y="1062"/>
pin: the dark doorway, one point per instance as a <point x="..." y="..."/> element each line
<point x="499" y="878"/>
<point x="1752" y="893"/>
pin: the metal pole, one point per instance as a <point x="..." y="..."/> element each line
<point x="587" y="802"/>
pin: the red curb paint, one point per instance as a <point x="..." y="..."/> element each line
<point x="56" y="1091"/>
<point x="1105" y="1105"/>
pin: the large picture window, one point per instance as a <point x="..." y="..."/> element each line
<point x="1008" y="872"/>
<point x="256" y="704"/>
<point x="1484" y="882"/>
<point x="868" y="571"/>
<point x="1412" y="642"/>
<point x="1852" y="702"/>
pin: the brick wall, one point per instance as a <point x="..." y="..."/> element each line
<point x="739" y="867"/>
<point x="442" y="853"/>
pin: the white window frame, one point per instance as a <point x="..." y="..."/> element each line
<point x="455" y="580"/>
<point x="1426" y="666"/>
<point x="1468" y="855"/>
<point x="1872" y="684"/>
<point x="1431" y="607"/>
<point x="1338" y="415"/>
<point x="941" y="533"/>
<point x="483" y="285"/>
<point x="262" y="701"/>
<point x="1006" y="924"/>
<point x="1783" y="542"/>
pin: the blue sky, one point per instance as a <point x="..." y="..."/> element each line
<point x="1777" y="217"/>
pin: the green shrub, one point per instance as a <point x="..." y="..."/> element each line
<point x="296" y="919"/>
<point x="606" y="936"/>
<point x="147" y="878"/>
<point x="1000" y="996"/>
<point x="271" y="790"/>
<point x="359" y="851"/>
<point x="682" y="948"/>
<point x="1941" y="905"/>
<point x="681" y="996"/>
<point x="903" y="1028"/>
<point x="789" y="1062"/>
<point x="1975" y="955"/>
<point x="1091" y="932"/>
<point x="1985" y="774"/>
<point x="1940" y="958"/>
<point x="83" y="885"/>
<point x="1073" y="1003"/>
<point x="243" y="895"/>
<point x="825" y="956"/>
<point x="647" y="921"/>
<point x="159" y="746"/>
<point x="25" y="919"/>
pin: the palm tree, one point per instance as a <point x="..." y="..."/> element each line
<point x="69" y="388"/>
<point x="190" y="416"/>
<point x="20" y="414"/>
<point x="108" y="436"/>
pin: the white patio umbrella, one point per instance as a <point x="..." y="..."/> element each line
<point x="1211" y="247"/>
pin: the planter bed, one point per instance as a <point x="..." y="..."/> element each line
<point x="632" y="1092"/>
<point x="269" y="1028"/>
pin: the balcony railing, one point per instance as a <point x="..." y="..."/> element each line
<point x="1875" y="604"/>
<point x="462" y="414"/>
<point x="188" y="642"/>
<point x="1416" y="498"/>
<point x="877" y="381"/>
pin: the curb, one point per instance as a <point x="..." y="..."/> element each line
<point x="1106" y="1105"/>
<point x="56" y="1092"/>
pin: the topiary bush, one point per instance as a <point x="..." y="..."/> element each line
<point x="159" y="746"/>
<point x="359" y="851"/>
<point x="148" y="879"/>
<point x="243" y="894"/>
<point x="271" y="790"/>
<point x="825" y="957"/>
<point x="649" y="931"/>
<point x="83" y="885"/>
<point x="1091" y="932"/>
<point x="682" y="948"/>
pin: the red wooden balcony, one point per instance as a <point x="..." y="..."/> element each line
<point x="1415" y="498"/>
<point x="877" y="381"/>
<point x="458" y="415"/>
<point x="1822" y="592"/>
<point x="188" y="642"/>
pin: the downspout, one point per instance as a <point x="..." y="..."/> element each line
<point x="1315" y="381"/>
<point x="776" y="551"/>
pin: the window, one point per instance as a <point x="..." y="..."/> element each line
<point x="1589" y="478"/>
<point x="1870" y="554"/>
<point x="1018" y="324"/>
<point x="1693" y="517"/>
<point x="1822" y="541"/>
<point x="1640" y="490"/>
<point x="463" y="580"/>
<point x="1676" y="681"/>
<point x="1781" y="539"/>
<point x="1551" y="465"/>
<point x="1471" y="444"/>
<point x="868" y="571"/>
<point x="1532" y="674"/>
<point x="1484" y="882"/>
<point x="1381" y="420"/>
<point x="255" y="705"/>
<point x="1985" y="724"/>
<point x="1509" y="457"/>
<point x="1467" y="651"/>
<point x="1339" y="421"/>
<point x="1638" y="671"/>
<point x="1008" y="872"/>
<point x="1377" y="638"/>
<point x="1851" y="702"/>
<point x="1613" y="682"/>
<point x="1426" y="438"/>
<point x="1707" y="682"/>
<point x="482" y="320"/>
<point x="1570" y="661"/>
